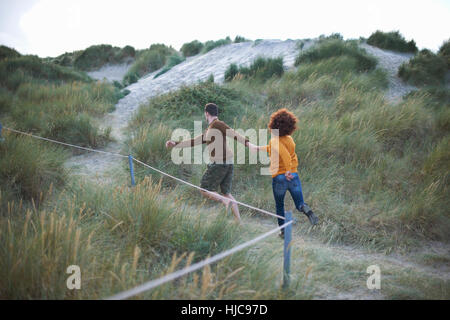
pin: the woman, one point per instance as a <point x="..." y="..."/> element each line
<point x="283" y="164"/>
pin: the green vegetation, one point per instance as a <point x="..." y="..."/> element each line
<point x="209" y="45"/>
<point x="54" y="101"/>
<point x="191" y="48"/>
<point x="120" y="238"/>
<point x="63" y="112"/>
<point x="261" y="69"/>
<point x="94" y="57"/>
<point x="392" y="41"/>
<point x="333" y="46"/>
<point x="6" y="52"/>
<point x="16" y="71"/>
<point x="147" y="61"/>
<point x="426" y="68"/>
<point x="239" y="39"/>
<point x="195" y="47"/>
<point x="444" y="52"/>
<point x="173" y="61"/>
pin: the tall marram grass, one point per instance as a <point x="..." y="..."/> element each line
<point x="121" y="238"/>
<point x="15" y="71"/>
<point x="261" y="69"/>
<point x="392" y="41"/>
<point x="63" y="112"/>
<point x="147" y="61"/>
<point x="328" y="48"/>
<point x="28" y="167"/>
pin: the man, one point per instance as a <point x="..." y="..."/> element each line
<point x="220" y="170"/>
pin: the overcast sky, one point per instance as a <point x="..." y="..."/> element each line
<point x="52" y="27"/>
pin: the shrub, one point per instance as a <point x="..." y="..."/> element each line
<point x="174" y="59"/>
<point x="391" y="41"/>
<point x="128" y="51"/>
<point x="444" y="52"/>
<point x="333" y="47"/>
<point x="6" y="52"/>
<point x="426" y="68"/>
<point x="147" y="61"/>
<point x="6" y="99"/>
<point x="333" y="36"/>
<point x="29" y="167"/>
<point x="209" y="45"/>
<point x="239" y="39"/>
<point x="261" y="69"/>
<point x="231" y="72"/>
<point x="15" y="71"/>
<point x="94" y="57"/>
<point x="187" y="103"/>
<point x="191" y="48"/>
<point x="63" y="111"/>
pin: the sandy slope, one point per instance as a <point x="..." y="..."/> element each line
<point x="114" y="72"/>
<point x="391" y="61"/>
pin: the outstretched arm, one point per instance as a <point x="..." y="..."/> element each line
<point x="186" y="143"/>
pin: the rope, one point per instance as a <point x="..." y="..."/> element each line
<point x="199" y="188"/>
<point x="177" y="274"/>
<point x="67" y="144"/>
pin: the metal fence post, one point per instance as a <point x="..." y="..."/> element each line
<point x="287" y="250"/>
<point x="130" y="160"/>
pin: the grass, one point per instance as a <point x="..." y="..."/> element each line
<point x="54" y="101"/>
<point x="261" y="69"/>
<point x="94" y="57"/>
<point x="392" y="41"/>
<point x="172" y="62"/>
<point x="211" y="44"/>
<point x="97" y="56"/>
<point x="444" y="52"/>
<point x="6" y="52"/>
<point x="191" y="48"/>
<point x="27" y="167"/>
<point x="336" y="47"/>
<point x="147" y="61"/>
<point x="63" y="112"/>
<point x="426" y="68"/>
<point x="119" y="244"/>
<point x="15" y="71"/>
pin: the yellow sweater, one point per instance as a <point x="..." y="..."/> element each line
<point x="282" y="155"/>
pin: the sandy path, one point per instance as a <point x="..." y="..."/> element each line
<point x="391" y="61"/>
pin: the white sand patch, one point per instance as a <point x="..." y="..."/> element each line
<point x="111" y="72"/>
<point x="391" y="61"/>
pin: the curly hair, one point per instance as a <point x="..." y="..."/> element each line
<point x="283" y="120"/>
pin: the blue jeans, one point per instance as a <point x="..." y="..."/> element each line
<point x="279" y="186"/>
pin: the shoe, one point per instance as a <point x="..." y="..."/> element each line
<point x="313" y="219"/>
<point x="281" y="234"/>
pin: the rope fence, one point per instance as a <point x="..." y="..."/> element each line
<point x="177" y="274"/>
